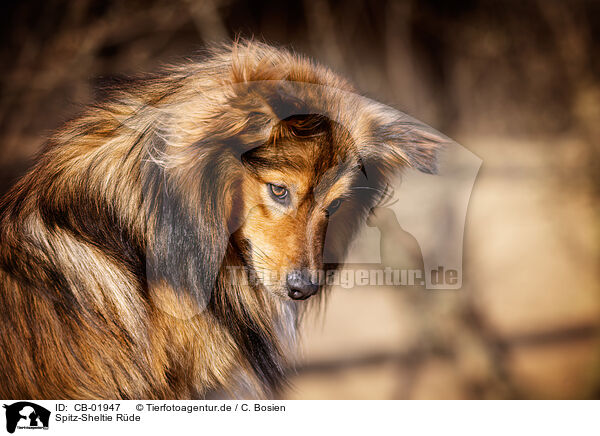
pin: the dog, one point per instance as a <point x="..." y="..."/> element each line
<point x="134" y="253"/>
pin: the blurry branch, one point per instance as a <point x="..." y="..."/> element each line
<point x="410" y="358"/>
<point x="400" y="64"/>
<point x="207" y="19"/>
<point x="574" y="47"/>
<point x="68" y="54"/>
<point x="323" y="30"/>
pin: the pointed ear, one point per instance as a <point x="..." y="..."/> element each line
<point x="187" y="225"/>
<point x="385" y="136"/>
<point x="395" y="141"/>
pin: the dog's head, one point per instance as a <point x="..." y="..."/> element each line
<point x="294" y="187"/>
<point x="275" y="171"/>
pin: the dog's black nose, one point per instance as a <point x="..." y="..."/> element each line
<point x="300" y="286"/>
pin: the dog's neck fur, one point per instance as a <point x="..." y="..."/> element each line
<point x="263" y="326"/>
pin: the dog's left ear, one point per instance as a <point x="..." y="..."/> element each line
<point x="394" y="140"/>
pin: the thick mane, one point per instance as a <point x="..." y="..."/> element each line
<point x="104" y="241"/>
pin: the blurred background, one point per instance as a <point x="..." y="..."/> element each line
<point x="515" y="82"/>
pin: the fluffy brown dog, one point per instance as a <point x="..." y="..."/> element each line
<point x="133" y="254"/>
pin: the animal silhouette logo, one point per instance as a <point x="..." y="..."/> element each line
<point x="26" y="415"/>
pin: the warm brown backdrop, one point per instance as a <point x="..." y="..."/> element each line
<point x="516" y="82"/>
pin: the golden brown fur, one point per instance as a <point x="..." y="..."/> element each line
<point x="117" y="247"/>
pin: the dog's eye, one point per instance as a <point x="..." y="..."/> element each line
<point x="279" y="193"/>
<point x="333" y="206"/>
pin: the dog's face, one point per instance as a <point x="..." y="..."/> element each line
<point x="294" y="189"/>
<point x="278" y="188"/>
